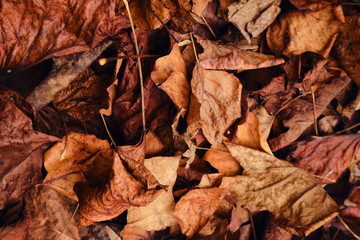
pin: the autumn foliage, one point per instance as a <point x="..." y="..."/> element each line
<point x="179" y="119"/>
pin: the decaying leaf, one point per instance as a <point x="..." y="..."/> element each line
<point x="253" y="16"/>
<point x="296" y="32"/>
<point x="328" y="156"/>
<point x="347" y="48"/>
<point x="298" y="203"/>
<point x="219" y="95"/>
<point x="314" y="5"/>
<point x="194" y="209"/>
<point x="49" y="215"/>
<point x="21" y="148"/>
<point x="229" y="57"/>
<point x="265" y="120"/>
<point x="106" y="201"/>
<point x="71" y="27"/>
<point x="159" y="213"/>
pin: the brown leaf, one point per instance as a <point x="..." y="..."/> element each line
<point x="104" y="202"/>
<point x="14" y="232"/>
<point x="21" y="148"/>
<point x="48" y="214"/>
<point x="199" y="6"/>
<point x="296" y="32"/>
<point x="253" y="16"/>
<point x="314" y="5"/>
<point x="158" y="214"/>
<point x="298" y="203"/>
<point x="229" y="57"/>
<point x="71" y="27"/>
<point x="136" y="233"/>
<point x="347" y="50"/>
<point x="222" y="160"/>
<point x="328" y="156"/>
<point x="298" y="115"/>
<point x="195" y="208"/>
<point x="219" y="95"/>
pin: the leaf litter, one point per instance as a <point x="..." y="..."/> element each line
<point x="179" y="119"/>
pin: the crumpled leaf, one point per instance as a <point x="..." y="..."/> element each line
<point x="296" y="32"/>
<point x="327" y="156"/>
<point x="253" y="16"/>
<point x="298" y="116"/>
<point x="219" y="95"/>
<point x="194" y="209"/>
<point x="220" y="158"/>
<point x="296" y="200"/>
<point x="347" y="48"/>
<point x="159" y="213"/>
<point x="314" y="5"/>
<point x="265" y="120"/>
<point x="104" y="202"/>
<point x="71" y="27"/>
<point x="65" y="70"/>
<point x="48" y="214"/>
<point x="21" y="148"/>
<point x="229" y="57"/>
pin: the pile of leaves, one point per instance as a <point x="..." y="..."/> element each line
<point x="177" y="119"/>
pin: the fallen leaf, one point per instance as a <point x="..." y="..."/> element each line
<point x="199" y="6"/>
<point x="347" y="50"/>
<point x="48" y="215"/>
<point x="106" y="201"/>
<point x="220" y="158"/>
<point x="21" y="148"/>
<point x="136" y="233"/>
<point x="326" y="156"/>
<point x="64" y="71"/>
<point x="159" y="213"/>
<point x="229" y="57"/>
<point x="71" y="27"/>
<point x="298" y="203"/>
<point x="14" y="232"/>
<point x="220" y="107"/>
<point x="265" y="120"/>
<point x="272" y="231"/>
<point x="296" y="32"/>
<point x="194" y="209"/>
<point x="314" y="5"/>
<point x="253" y="16"/>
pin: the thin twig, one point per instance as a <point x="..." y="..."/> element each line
<point x="252" y="225"/>
<point x="348" y="228"/>
<point x="194" y="48"/>
<point x="336" y="233"/>
<point x="347" y="129"/>
<point x="139" y="63"/>
<point x="103" y="61"/>
<point x="167" y="29"/>
<point x="212" y="149"/>
<point x="67" y="224"/>
<point x="207" y="24"/>
<point x="325" y="178"/>
<point x="107" y="130"/>
<point x="314" y="109"/>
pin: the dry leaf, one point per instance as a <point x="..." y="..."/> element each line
<point x="14" y="232"/>
<point x="64" y="71"/>
<point x="328" y="156"/>
<point x="265" y="120"/>
<point x="229" y="57"/>
<point x="159" y="213"/>
<point x="296" y="32"/>
<point x="298" y="203"/>
<point x="71" y="27"/>
<point x="199" y="6"/>
<point x="314" y="5"/>
<point x="195" y="209"/>
<point x="347" y="48"/>
<point x="21" y="148"/>
<point x="219" y="95"/>
<point x="136" y="233"/>
<point x="104" y="202"/>
<point x="48" y="215"/>
<point x="253" y="16"/>
<point x="222" y="160"/>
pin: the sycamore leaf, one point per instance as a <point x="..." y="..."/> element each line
<point x="219" y="95"/>
<point x="104" y="202"/>
<point x="296" y="32"/>
<point x="347" y="50"/>
<point x="21" y="148"/>
<point x="296" y="200"/>
<point x="325" y="156"/>
<point x="48" y="214"/>
<point x="253" y="16"/>
<point x="159" y="213"/>
<point x="229" y="57"/>
<point x="194" y="209"/>
<point x="71" y="27"/>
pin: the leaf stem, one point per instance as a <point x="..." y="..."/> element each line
<point x="348" y="228"/>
